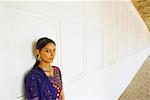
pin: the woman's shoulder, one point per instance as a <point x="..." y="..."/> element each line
<point x="56" y="68"/>
<point x="30" y="74"/>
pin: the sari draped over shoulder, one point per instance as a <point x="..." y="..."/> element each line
<point x="40" y="87"/>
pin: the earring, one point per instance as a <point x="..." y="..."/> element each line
<point x="39" y="58"/>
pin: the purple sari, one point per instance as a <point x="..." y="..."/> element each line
<point x="38" y="86"/>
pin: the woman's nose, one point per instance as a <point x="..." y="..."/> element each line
<point x="52" y="53"/>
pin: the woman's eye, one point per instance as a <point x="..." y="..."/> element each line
<point x="47" y="50"/>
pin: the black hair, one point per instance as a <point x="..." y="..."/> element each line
<point x="42" y="42"/>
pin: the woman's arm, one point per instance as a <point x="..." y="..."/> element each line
<point x="31" y="88"/>
<point x="62" y="95"/>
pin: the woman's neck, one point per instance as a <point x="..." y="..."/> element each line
<point x="44" y="65"/>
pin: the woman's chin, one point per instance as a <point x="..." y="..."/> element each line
<point x="51" y="61"/>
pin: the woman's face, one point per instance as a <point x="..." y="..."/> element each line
<point x="47" y="53"/>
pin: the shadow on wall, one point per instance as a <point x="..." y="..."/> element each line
<point x="33" y="50"/>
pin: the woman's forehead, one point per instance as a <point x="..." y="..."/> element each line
<point x="50" y="46"/>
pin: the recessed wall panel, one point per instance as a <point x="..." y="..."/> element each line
<point x="94" y="45"/>
<point x="72" y="39"/>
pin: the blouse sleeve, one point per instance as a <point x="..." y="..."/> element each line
<point x="31" y="87"/>
<point x="60" y="75"/>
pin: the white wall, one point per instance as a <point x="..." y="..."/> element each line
<point x="100" y="45"/>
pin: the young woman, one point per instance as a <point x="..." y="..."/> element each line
<point x="44" y="81"/>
